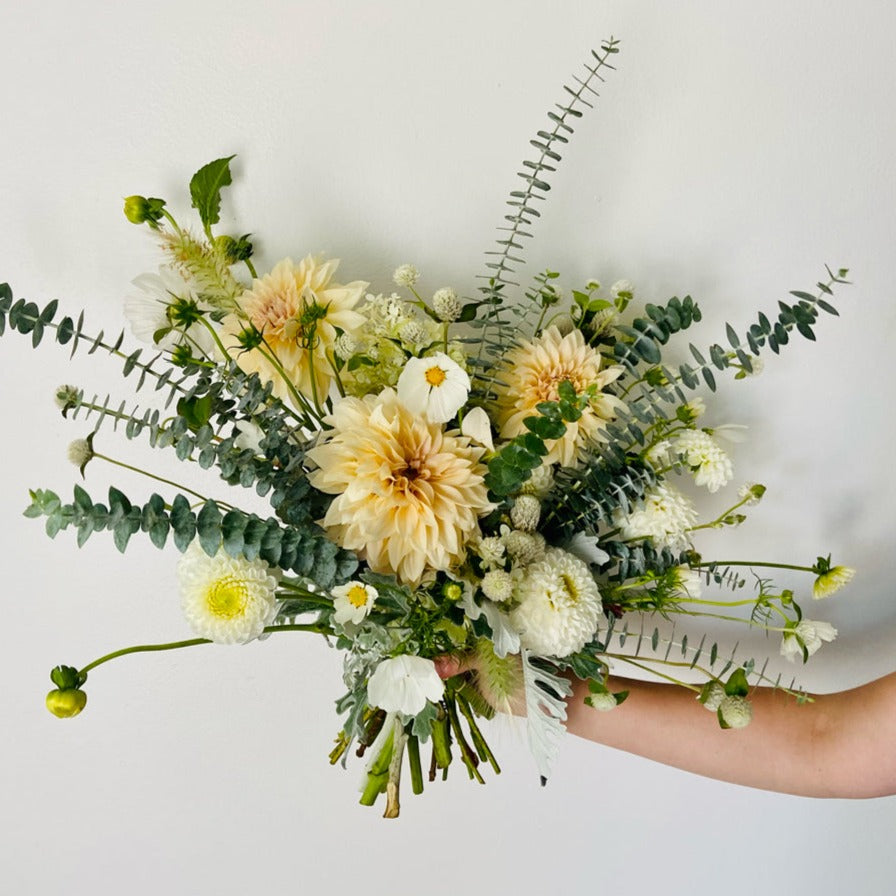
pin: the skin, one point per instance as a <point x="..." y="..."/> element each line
<point x="841" y="745"/>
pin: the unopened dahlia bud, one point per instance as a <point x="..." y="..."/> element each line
<point x="446" y="305"/>
<point x="736" y="712"/>
<point x="65" y="704"/>
<point x="234" y="249"/>
<point x="525" y="513"/>
<point x="140" y="210"/>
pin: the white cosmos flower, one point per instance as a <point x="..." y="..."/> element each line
<point x="809" y="634"/>
<point x="478" y="427"/>
<point x="352" y="602"/>
<point x="404" y="684"/>
<point x="147" y="312"/>
<point x="226" y="599"/>
<point x="434" y="386"/>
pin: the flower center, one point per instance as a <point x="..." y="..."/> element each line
<point x="357" y="596"/>
<point x="435" y="376"/>
<point x="226" y="598"/>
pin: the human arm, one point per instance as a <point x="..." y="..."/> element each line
<point x="841" y="745"/>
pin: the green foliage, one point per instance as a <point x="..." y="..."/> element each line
<point x="205" y="190"/>
<point x="512" y="466"/>
<point x="304" y="550"/>
<point x="646" y="335"/>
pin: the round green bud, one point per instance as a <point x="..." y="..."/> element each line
<point x="65" y="704"/>
<point x="140" y="210"/>
<point x="234" y="249"/>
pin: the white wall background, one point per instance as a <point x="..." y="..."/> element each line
<point x="738" y="149"/>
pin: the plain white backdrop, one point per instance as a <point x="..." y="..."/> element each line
<point x="738" y="149"/>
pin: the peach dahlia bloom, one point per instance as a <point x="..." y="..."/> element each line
<point x="408" y="494"/>
<point x="531" y="373"/>
<point x="299" y="309"/>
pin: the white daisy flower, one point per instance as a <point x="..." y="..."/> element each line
<point x="352" y="602"/>
<point x="404" y="684"/>
<point x="226" y="599"/>
<point x="559" y="605"/>
<point x="435" y="387"/>
<point x="806" y="633"/>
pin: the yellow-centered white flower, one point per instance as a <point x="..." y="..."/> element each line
<point x="434" y="386"/>
<point x="352" y="602"/>
<point x="408" y="495"/>
<point x="226" y="599"/>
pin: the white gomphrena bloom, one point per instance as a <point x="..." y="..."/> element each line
<point x="497" y="585"/>
<point x="226" y="599"/>
<point x="405" y="275"/>
<point x="525" y="513"/>
<point x="664" y="516"/>
<point x="404" y="684"/>
<point x="408" y="495"/>
<point x="601" y="702"/>
<point x="434" y="386"/>
<point x="737" y="712"/>
<point x="446" y="304"/>
<point x="352" y="602"/>
<point x="709" y="462"/>
<point x="809" y="634"/>
<point x="532" y="373"/>
<point x="714" y="695"/>
<point x="559" y="605"/>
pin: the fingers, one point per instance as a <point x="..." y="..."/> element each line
<point x="450" y="665"/>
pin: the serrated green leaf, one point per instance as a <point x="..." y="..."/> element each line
<point x="205" y="189"/>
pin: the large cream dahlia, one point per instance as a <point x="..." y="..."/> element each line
<point x="408" y="495"/>
<point x="532" y="372"/>
<point x="298" y="308"/>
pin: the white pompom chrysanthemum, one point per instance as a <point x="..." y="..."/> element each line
<point x="559" y="605"/>
<point x="226" y="599"/>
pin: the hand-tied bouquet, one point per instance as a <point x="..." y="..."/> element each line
<point x="491" y="476"/>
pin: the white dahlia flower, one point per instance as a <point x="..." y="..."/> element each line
<point x="559" y="605"/>
<point x="404" y="684"/>
<point x="532" y="372"/>
<point x="226" y="599"/>
<point x="408" y="495"/>
<point x="664" y="516"/>
<point x="708" y="461"/>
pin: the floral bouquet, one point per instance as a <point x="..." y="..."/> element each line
<point x="491" y="476"/>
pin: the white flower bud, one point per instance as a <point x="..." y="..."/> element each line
<point x="525" y="513"/>
<point x="601" y="702"/>
<point x="80" y="452"/>
<point x="497" y="585"/>
<point x="346" y="345"/>
<point x="622" y="286"/>
<point x="446" y="304"/>
<point x="713" y="695"/>
<point x="524" y="547"/>
<point x="406" y="275"/>
<point x="737" y="712"/>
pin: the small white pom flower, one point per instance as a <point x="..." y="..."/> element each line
<point x="831" y="581"/>
<point x="80" y="453"/>
<point x="806" y="633"/>
<point x="602" y="702"/>
<point x="446" y="304"/>
<point x="710" y="464"/>
<point x="352" y="602"/>
<point x="404" y="684"/>
<point x="523" y="547"/>
<point x="713" y="695"/>
<point x="736" y="712"/>
<point x="478" y="427"/>
<point x="491" y="551"/>
<point x="540" y="482"/>
<point x="226" y="599"/>
<point x="525" y="513"/>
<point x="559" y="605"/>
<point x="66" y="397"/>
<point x="497" y="585"/>
<point x="435" y="387"/>
<point x="405" y="275"/>
<point x="622" y="286"/>
<point x="345" y="346"/>
<point x="664" y="516"/>
<point x="413" y="333"/>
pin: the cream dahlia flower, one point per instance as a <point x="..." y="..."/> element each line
<point x="226" y="599"/>
<point x="664" y="516"/>
<point x="299" y="309"/>
<point x="559" y="605"/>
<point x="532" y="372"/>
<point x="408" y="495"/>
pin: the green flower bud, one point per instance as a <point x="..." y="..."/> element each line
<point x="234" y="250"/>
<point x="65" y="704"/>
<point x="140" y="210"/>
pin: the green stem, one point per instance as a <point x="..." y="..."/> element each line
<point x="177" y="485"/>
<point x="721" y="563"/>
<point x="251" y="268"/>
<point x="194" y="642"/>
<point x="416" y="769"/>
